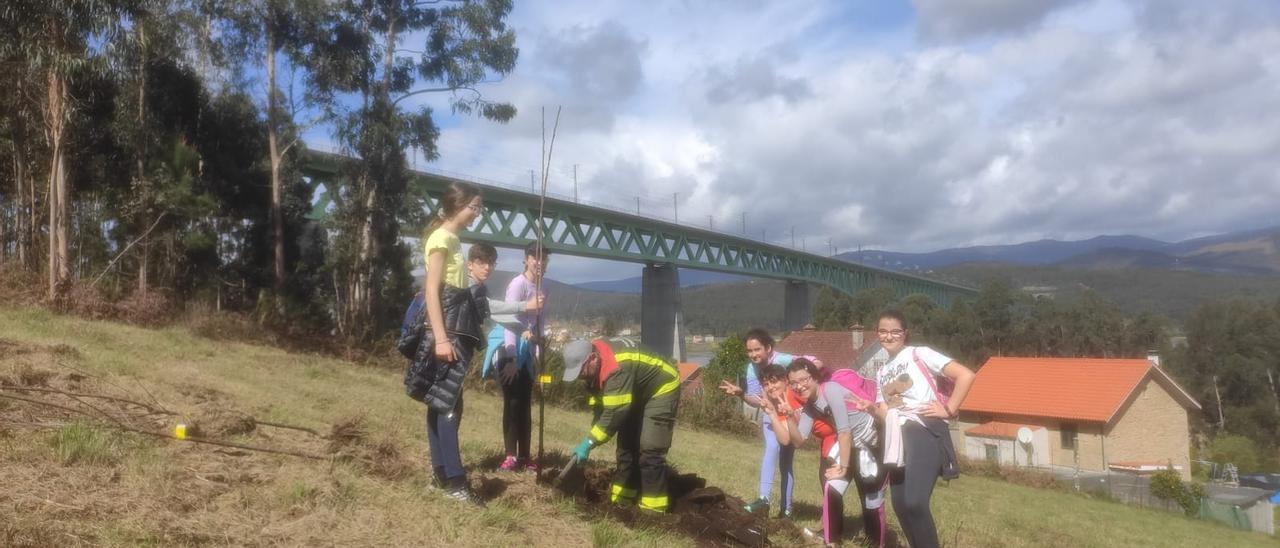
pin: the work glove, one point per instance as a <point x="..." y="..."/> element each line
<point x="582" y="450"/>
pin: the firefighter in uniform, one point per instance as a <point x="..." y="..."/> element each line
<point x="634" y="396"/>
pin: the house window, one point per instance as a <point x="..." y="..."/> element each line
<point x="993" y="452"/>
<point x="1068" y="433"/>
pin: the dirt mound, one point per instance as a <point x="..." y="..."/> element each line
<point x="705" y="513"/>
<point x="379" y="455"/>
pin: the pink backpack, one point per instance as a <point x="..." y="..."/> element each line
<point x="859" y="385"/>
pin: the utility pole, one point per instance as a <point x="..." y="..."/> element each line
<point x="675" y="205"/>
<point x="793" y="236"/>
<point x="711" y="222"/>
<point x="575" y="183"/>
<point x="830" y="248"/>
<point x="532" y="188"/>
<point x="802" y="246"/>
<point x="744" y="223"/>
<point x="637" y="205"/>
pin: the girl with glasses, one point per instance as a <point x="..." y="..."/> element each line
<point x="919" y="389"/>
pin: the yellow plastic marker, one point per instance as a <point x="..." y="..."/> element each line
<point x="180" y="431"/>
<point x="545" y="379"/>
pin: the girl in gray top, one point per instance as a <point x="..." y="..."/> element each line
<point x="831" y="403"/>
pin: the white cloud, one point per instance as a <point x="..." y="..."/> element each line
<point x="1062" y="119"/>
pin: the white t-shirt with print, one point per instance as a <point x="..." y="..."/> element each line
<point x="921" y="392"/>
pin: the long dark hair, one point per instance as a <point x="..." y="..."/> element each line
<point x="455" y="198"/>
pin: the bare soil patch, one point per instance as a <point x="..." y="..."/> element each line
<point x="704" y="513"/>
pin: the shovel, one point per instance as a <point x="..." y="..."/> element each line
<point x="572" y="478"/>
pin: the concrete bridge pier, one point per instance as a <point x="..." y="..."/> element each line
<point x="660" y="317"/>
<point x="797" y="304"/>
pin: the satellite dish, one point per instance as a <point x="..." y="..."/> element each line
<point x="1024" y="435"/>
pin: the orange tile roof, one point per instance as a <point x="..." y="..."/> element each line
<point x="1080" y="389"/>
<point x="997" y="429"/>
<point x="687" y="369"/>
<point x="834" y="348"/>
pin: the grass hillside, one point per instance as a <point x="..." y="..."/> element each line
<point x="72" y="481"/>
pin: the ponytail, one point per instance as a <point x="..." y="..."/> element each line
<point x="456" y="197"/>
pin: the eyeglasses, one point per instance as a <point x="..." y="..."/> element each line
<point x="797" y="383"/>
<point x="474" y="207"/>
<point x="894" y="333"/>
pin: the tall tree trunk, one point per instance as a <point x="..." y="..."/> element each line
<point x="277" y="209"/>
<point x="1222" y="418"/>
<point x="1275" y="396"/>
<point x="33" y="219"/>
<point x="140" y="155"/>
<point x="22" y="216"/>
<point x="55" y="116"/>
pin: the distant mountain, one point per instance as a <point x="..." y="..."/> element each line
<point x="688" y="278"/>
<point x="1255" y="250"/>
<point x="1137" y="273"/>
<point x="1244" y="252"/>
<point x="1029" y="253"/>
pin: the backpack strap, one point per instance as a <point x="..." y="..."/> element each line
<point x="928" y="375"/>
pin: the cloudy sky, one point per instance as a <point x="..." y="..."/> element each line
<point x="903" y="125"/>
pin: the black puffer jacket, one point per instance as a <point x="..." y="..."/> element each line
<point x="432" y="381"/>
<point x="465" y="311"/>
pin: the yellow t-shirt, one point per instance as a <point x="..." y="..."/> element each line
<point x="455" y="273"/>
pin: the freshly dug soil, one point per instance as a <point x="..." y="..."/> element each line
<point x="706" y="514"/>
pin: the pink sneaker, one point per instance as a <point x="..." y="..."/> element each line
<point x="509" y="464"/>
<point x="529" y="466"/>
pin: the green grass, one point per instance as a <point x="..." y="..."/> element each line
<point x="193" y="494"/>
<point x="80" y="443"/>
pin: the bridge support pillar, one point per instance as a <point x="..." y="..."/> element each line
<point x="660" y="317"/>
<point x="797" y="305"/>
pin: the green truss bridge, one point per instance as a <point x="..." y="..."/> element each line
<point x="510" y="216"/>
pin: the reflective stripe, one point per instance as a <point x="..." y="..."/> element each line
<point x="620" y="492"/>
<point x="599" y="435"/>
<point x="618" y="400"/>
<point x="647" y="360"/>
<point x="591" y="401"/>
<point x="669" y="387"/>
<point x="657" y="504"/>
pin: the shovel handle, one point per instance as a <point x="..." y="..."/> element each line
<point x="573" y="462"/>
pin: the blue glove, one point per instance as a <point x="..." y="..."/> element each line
<point x="582" y="450"/>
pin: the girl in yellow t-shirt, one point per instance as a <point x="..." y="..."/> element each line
<point x="459" y="207"/>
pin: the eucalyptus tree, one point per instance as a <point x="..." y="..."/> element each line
<point x="19" y="111"/>
<point x="378" y="55"/>
<point x="60" y="39"/>
<point x="159" y="98"/>
<point x="262" y="31"/>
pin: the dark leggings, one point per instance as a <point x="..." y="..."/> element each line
<point x="912" y="485"/>
<point x="446" y="455"/>
<point x="517" y="394"/>
<point x="873" y="520"/>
